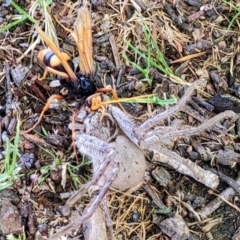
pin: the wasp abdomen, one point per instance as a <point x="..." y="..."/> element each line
<point x="49" y="58"/>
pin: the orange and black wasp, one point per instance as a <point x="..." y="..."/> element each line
<point x="60" y="63"/>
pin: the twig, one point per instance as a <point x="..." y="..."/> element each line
<point x="184" y="166"/>
<point x="139" y="5"/>
<point x="224" y="199"/>
<point x="8" y="90"/>
<point x="232" y="183"/>
<point x="217" y="202"/>
<point x="115" y="52"/>
<point x="188" y="110"/>
<point x="155" y="198"/>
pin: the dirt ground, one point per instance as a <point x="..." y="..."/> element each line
<point x="187" y="187"/>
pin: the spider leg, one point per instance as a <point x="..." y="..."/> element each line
<point x="46" y="107"/>
<point x="158" y="137"/>
<point x="142" y="129"/>
<point x="53" y="71"/>
<point x="104" y="155"/>
<point x="88" y="211"/>
<point x="65" y="210"/>
<point x="108" y="217"/>
<point x="166" y="156"/>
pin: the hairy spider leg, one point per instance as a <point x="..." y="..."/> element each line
<point x="107" y="161"/>
<point x="46" y="107"/>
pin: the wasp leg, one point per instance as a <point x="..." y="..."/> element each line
<point x="114" y="94"/>
<point x="107" y="89"/>
<point x="53" y="71"/>
<point x="96" y="103"/>
<point x="46" y="107"/>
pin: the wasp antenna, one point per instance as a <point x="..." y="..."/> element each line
<point x="56" y="51"/>
<point x="83" y="36"/>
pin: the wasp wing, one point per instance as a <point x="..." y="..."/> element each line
<point x="83" y="36"/>
<point x="56" y="51"/>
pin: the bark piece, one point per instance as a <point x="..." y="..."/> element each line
<point x="213" y="205"/>
<point x="175" y="228"/>
<point x="228" y="157"/>
<point x="19" y="73"/>
<point x="236" y="236"/>
<point x="10" y="220"/>
<point x="154" y="197"/>
<point x="95" y="227"/>
<point x="162" y="176"/>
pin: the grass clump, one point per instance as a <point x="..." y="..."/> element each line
<point x="236" y="16"/>
<point x="11" y="171"/>
<point x="44" y="7"/>
<point x="152" y="58"/>
<point x="21" y="18"/>
<point x="59" y="163"/>
<point x="12" y="237"/>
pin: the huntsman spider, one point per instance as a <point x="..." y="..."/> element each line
<point x="90" y="141"/>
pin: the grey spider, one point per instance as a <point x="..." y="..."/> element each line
<point x="146" y="136"/>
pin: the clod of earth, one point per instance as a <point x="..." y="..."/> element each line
<point x="10" y="219"/>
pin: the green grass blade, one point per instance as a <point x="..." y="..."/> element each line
<point x="235" y="8"/>
<point x="12" y="24"/>
<point x="153" y="100"/>
<point x="24" y="17"/>
<point x="153" y="63"/>
<point x="15" y="146"/>
<point x="7" y="156"/>
<point x="233" y="20"/>
<point x="3" y="177"/>
<point x="25" y="14"/>
<point x="5" y="185"/>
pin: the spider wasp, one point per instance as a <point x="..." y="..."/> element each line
<point x="82" y="85"/>
<point x="60" y="63"/>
